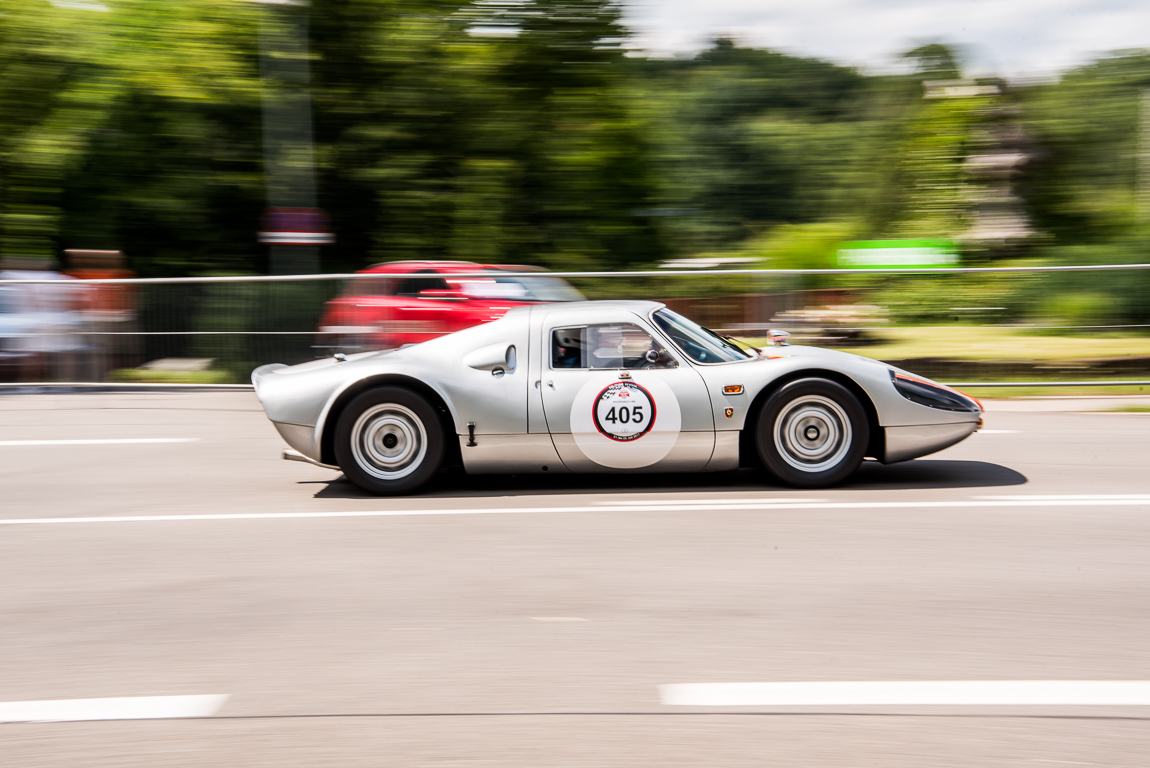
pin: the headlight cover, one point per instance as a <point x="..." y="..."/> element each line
<point x="932" y="395"/>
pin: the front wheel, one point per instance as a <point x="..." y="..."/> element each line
<point x="389" y="441"/>
<point x="812" y="433"/>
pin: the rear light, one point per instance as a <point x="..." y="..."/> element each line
<point x="932" y="394"/>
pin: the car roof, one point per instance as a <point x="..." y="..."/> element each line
<point x="448" y="267"/>
<point x="412" y="266"/>
<point x="638" y="307"/>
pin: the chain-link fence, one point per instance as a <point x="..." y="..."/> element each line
<point x="982" y="325"/>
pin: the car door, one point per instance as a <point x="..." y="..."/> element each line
<point x="615" y="398"/>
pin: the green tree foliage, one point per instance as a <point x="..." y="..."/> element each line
<point x="444" y="140"/>
<point x="53" y="94"/>
<point x="1090" y="134"/>
<point x="517" y="131"/>
<point x="750" y="139"/>
<point x="174" y="176"/>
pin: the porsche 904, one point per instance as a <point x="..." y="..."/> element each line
<point x="605" y="386"/>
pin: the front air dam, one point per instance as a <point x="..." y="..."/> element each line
<point x="903" y="443"/>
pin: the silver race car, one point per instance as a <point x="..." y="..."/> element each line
<point x="604" y="386"/>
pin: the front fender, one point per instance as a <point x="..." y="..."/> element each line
<point x="872" y="377"/>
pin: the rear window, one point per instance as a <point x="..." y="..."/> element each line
<point x="412" y="286"/>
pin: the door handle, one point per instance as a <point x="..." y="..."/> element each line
<point x="551" y="384"/>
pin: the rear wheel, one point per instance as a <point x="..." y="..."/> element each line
<point x="812" y="433"/>
<point x="389" y="441"/>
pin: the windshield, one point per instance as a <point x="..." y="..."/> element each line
<point x="520" y="289"/>
<point x="698" y="343"/>
<point x="545" y="288"/>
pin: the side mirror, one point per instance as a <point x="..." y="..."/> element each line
<point x="778" y="338"/>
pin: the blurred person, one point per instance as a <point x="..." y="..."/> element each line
<point x="108" y="311"/>
<point x="41" y="323"/>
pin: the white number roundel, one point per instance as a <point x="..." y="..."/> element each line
<point x="625" y="424"/>
<point x="624" y="411"/>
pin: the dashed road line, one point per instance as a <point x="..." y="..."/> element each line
<point x="911" y="693"/>
<point x="1082" y="497"/>
<point x="126" y="708"/>
<point x="1005" y="502"/>
<point x="112" y="441"/>
<point x="688" y="502"/>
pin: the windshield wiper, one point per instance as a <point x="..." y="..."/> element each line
<point x="739" y="345"/>
<point x="730" y="341"/>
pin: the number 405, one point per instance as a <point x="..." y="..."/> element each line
<point x="625" y="414"/>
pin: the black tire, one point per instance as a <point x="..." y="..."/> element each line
<point x="389" y="441"/>
<point x="812" y="433"/>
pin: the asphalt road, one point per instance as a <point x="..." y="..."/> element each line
<point x="531" y="621"/>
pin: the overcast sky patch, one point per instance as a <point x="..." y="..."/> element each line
<point x="1007" y="37"/>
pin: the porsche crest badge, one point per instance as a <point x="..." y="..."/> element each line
<point x="729" y="412"/>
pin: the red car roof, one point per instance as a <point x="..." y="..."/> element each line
<point x="445" y="267"/>
<point x="416" y="266"/>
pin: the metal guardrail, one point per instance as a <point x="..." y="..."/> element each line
<point x="240" y="322"/>
<point x="162" y="386"/>
<point x="121" y="385"/>
<point x="619" y="274"/>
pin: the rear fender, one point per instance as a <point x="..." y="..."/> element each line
<point x="329" y="417"/>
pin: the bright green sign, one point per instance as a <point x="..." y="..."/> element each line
<point x="898" y="254"/>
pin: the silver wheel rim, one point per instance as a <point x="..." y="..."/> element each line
<point x="388" y="441"/>
<point x="813" y="433"/>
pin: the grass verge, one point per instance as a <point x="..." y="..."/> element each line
<point x="981" y="343"/>
<point x="1004" y="393"/>
<point x="145" y="376"/>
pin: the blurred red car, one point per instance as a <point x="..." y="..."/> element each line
<point x="432" y="299"/>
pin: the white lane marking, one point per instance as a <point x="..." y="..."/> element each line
<point x="128" y="708"/>
<point x="114" y="441"/>
<point x="997" y="432"/>
<point x="685" y="502"/>
<point x="912" y="693"/>
<point x="883" y="505"/>
<point x="556" y="618"/>
<point x="1070" y="497"/>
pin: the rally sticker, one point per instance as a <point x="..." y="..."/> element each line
<point x="623" y="423"/>
<point x="624" y="411"/>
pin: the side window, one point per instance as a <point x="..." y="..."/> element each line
<point x="607" y="346"/>
<point x="567" y="346"/>
<point x="427" y="281"/>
